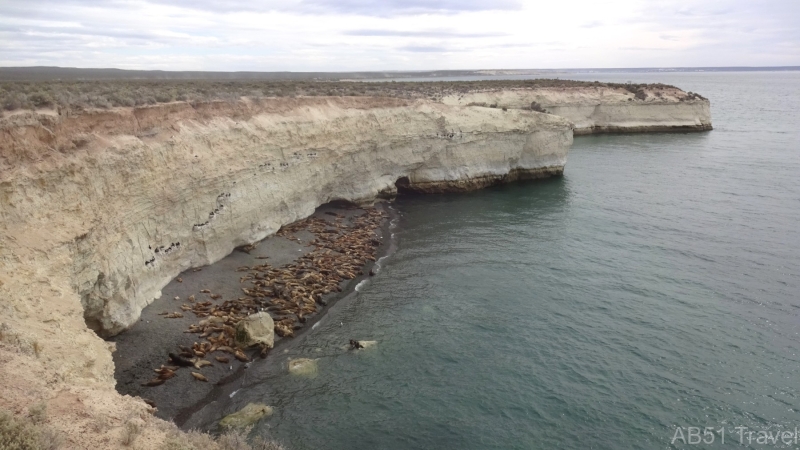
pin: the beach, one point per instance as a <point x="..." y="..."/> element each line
<point x="146" y="345"/>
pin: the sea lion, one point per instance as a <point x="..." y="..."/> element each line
<point x="222" y="359"/>
<point x="238" y="354"/>
<point x="166" y="375"/>
<point x="200" y="363"/>
<point x="180" y="361"/>
<point x="154" y="382"/>
<point x="199" y="376"/>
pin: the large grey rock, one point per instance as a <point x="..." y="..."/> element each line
<point x="246" y="416"/>
<point x="305" y="367"/>
<point x="255" y="329"/>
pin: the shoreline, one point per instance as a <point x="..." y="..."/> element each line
<point x="112" y="186"/>
<point x="182" y="400"/>
<point x="206" y="414"/>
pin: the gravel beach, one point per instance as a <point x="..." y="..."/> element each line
<point x="145" y="346"/>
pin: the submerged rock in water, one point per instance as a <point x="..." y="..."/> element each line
<point x="303" y="366"/>
<point x="247" y="416"/>
<point x="255" y="329"/>
<point x="368" y="344"/>
<point x="358" y="345"/>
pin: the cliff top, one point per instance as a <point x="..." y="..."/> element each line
<point x="32" y="95"/>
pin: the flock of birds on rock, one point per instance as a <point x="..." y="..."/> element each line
<point x="449" y="135"/>
<point x="290" y="293"/>
<point x="161" y="251"/>
<point x="213" y="214"/>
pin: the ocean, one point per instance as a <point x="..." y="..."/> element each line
<point x="648" y="298"/>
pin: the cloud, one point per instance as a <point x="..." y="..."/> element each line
<point x="426" y="49"/>
<point x="395" y="7"/>
<point x="340" y="35"/>
<point x="373" y="8"/>
<point x="425" y="34"/>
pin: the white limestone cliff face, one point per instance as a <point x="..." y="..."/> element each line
<point x="130" y="213"/>
<point x="604" y="109"/>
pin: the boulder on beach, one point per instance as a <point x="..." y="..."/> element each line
<point x="246" y="416"/>
<point x="255" y="329"/>
<point x="303" y="366"/>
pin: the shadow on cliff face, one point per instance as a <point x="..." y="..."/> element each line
<point x="403" y="185"/>
<point x="515" y="199"/>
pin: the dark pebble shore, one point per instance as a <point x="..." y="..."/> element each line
<point x="146" y="345"/>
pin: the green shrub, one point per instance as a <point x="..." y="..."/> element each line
<point x="41" y="99"/>
<point x="19" y="434"/>
<point x="38" y="413"/>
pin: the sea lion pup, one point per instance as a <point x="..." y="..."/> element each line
<point x="355" y="345"/>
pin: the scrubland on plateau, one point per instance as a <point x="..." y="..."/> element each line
<point x="22" y="95"/>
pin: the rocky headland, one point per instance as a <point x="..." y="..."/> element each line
<point x="100" y="209"/>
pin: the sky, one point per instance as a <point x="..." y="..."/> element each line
<point x="356" y="35"/>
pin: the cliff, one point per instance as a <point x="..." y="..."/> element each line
<point x="100" y="209"/>
<point x="603" y="108"/>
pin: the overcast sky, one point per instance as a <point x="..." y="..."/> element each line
<point x="345" y="35"/>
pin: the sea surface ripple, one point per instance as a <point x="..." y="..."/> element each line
<point x="655" y="285"/>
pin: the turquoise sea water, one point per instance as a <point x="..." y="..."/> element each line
<point x="655" y="285"/>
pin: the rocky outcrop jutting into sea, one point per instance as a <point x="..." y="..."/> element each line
<point x="605" y="109"/>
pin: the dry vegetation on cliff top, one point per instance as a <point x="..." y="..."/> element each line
<point x="31" y="95"/>
<point x="30" y="433"/>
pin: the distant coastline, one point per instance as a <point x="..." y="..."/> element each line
<point x="47" y="73"/>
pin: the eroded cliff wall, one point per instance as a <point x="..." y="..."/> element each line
<point x="603" y="109"/>
<point x="149" y="193"/>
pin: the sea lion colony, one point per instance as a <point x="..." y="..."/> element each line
<point x="290" y="294"/>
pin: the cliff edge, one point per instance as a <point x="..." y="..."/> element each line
<point x="99" y="209"/>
